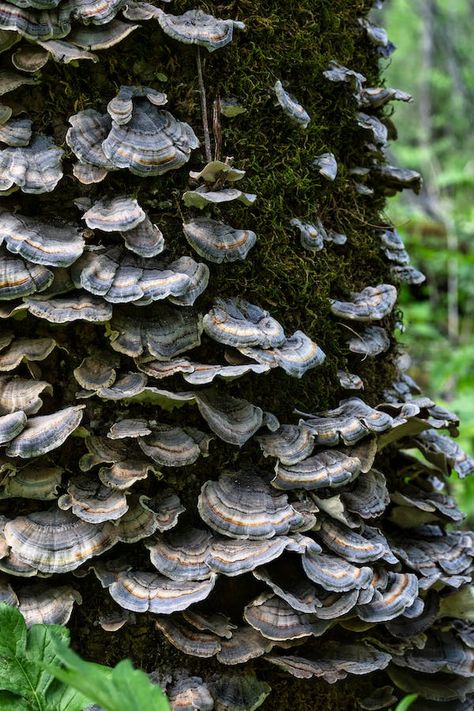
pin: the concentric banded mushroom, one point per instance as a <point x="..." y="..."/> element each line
<point x="141" y="592"/>
<point x="118" y="214"/>
<point x="44" y="433"/>
<point x="218" y="242"/>
<point x="297" y="355"/>
<point x="290" y="106"/>
<point x="21" y="278"/>
<point x="371" y="304"/>
<point x="235" y="322"/>
<point x="327" y="468"/>
<point x="196" y="27"/>
<point x="34" y="169"/>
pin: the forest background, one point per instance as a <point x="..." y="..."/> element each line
<point x="435" y="63"/>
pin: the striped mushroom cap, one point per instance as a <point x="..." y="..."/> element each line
<point x="218" y="242"/>
<point x="235" y="322"/>
<point x="40" y="242"/>
<point x="196" y="27"/>
<point x="34" y="169"/>
<point x="327" y="468"/>
<point x="142" y="592"/>
<point x="291" y="106"/>
<point x="371" y="304"/>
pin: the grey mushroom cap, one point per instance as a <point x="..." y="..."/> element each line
<point x="36" y="481"/>
<point x="44" y="433"/>
<point x="16" y="132"/>
<point x="235" y="322"/>
<point x="34" y="169"/>
<point x="182" y="554"/>
<point x="18" y="393"/>
<point x="101" y="36"/>
<point x="203" y="197"/>
<point x="91" y="501"/>
<point x="398" y="595"/>
<point x="78" y="306"/>
<point x="371" y="342"/>
<point x="120" y="108"/>
<point x="364" y="547"/>
<point x="218" y="242"/>
<point x="118" y="214"/>
<point x="40" y="604"/>
<point x="196" y="27"/>
<point x="311" y="236"/>
<point x="88" y="130"/>
<point x="334" y="573"/>
<point x="276" y="620"/>
<point x="329" y="468"/>
<point x="327" y="165"/>
<point x="370" y="304"/>
<point x="232" y="419"/>
<point x="141" y="592"/>
<point x="21" y="278"/>
<point x="296" y="356"/>
<point x="146" y="239"/>
<point x="40" y="242"/>
<point x="11" y="426"/>
<point x="246" y="507"/>
<point x="290" y="444"/>
<point x="175" y="446"/>
<point x="291" y="106"/>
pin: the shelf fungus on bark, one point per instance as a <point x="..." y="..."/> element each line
<point x="19" y="278"/>
<point x="291" y="106"/>
<point x="295" y="356"/>
<point x="57" y="541"/>
<point x="120" y="108"/>
<point x="232" y="419"/>
<point x="149" y="592"/>
<point x="196" y="27"/>
<point x="218" y="242"/>
<point x="38" y="481"/>
<point x="203" y="197"/>
<point x="365" y="547"/>
<point x="11" y="426"/>
<point x="350" y="381"/>
<point x="442" y="652"/>
<point x="371" y="304"/>
<point x="41" y="604"/>
<point x="334" y="661"/>
<point x="40" y="242"/>
<point x="48" y="24"/>
<point x="290" y="444"/>
<point x="162" y="332"/>
<point x="236" y="322"/>
<point x="326" y="165"/>
<point x="369" y="496"/>
<point x="233" y="557"/>
<point x="129" y="428"/>
<point x="325" y="469"/>
<point x="172" y="446"/>
<point x="118" y="214"/>
<point x="46" y="432"/>
<point x="182" y="554"/>
<point x="146" y="239"/>
<point x="444" y="453"/>
<point x="349" y="423"/>
<point x="334" y="573"/>
<point x="391" y="179"/>
<point x="18" y="393"/>
<point x="91" y="501"/>
<point x="146" y="516"/>
<point x="338" y="73"/>
<point x="371" y="342"/>
<point x="101" y="36"/>
<point x="276" y="620"/>
<point x="121" y="277"/>
<point x="35" y="168"/>
<point x="96" y="372"/>
<point x="76" y="307"/>
<point x="397" y="595"/>
<point x="16" y="132"/>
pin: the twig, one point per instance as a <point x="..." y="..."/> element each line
<point x="205" y="123"/>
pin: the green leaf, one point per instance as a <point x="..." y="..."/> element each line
<point x="24" y="681"/>
<point x="122" y="688"/>
<point x="406" y="702"/>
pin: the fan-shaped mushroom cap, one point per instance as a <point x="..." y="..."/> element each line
<point x="202" y="197"/>
<point x="175" y="446"/>
<point x="327" y="468"/>
<point x="188" y="640"/>
<point x="125" y="473"/>
<point x="393" y="179"/>
<point x="327" y="165"/>
<point x="56" y="541"/>
<point x="151" y="143"/>
<point x="29" y="58"/>
<point x="239" y="692"/>
<point x="26" y="349"/>
<point x="163" y="332"/>
<point x="375" y="97"/>
<point x="7" y="594"/>
<point x="11" y="426"/>
<point x="297" y="355"/>
<point x="44" y="433"/>
<point x="231" y="419"/>
<point x="196" y="27"/>
<point x="16" y="132"/>
<point x="21" y="278"/>
<point x="34" y="25"/>
<point x="311" y="236"/>
<point x="338" y="73"/>
<point x="411" y="495"/>
<point x="217" y="623"/>
<point x="21" y="394"/>
<point x="352" y="546"/>
<point x="218" y="242"/>
<point x="371" y="304"/>
<point x="139" y="10"/>
<point x="334" y="573"/>
<point x="93" y="502"/>
<point x="45" y="605"/>
<point x="201" y="374"/>
<point x="120" y="108"/>
<point x="372" y="341"/>
<point x="115" y="215"/>
<point x="94" y="373"/>
<point x="145" y="516"/>
<point x="78" y="306"/>
<point x="101" y="449"/>
<point x="291" y="106"/>
<point x="288" y="582"/>
<point x="217" y="169"/>
<point x="197" y="274"/>
<point x="40" y="242"/>
<point x="399" y="593"/>
<point x="350" y="422"/>
<point x="189" y="693"/>
<point x="124" y="429"/>
<point x="141" y="592"/>
<point x="65" y="52"/>
<point x="245" y="644"/>
<point x="442" y="652"/>
<point x="445" y="453"/>
<point x="290" y="444"/>
<point x="245" y="506"/>
<point x="145" y="239"/>
<point x="275" y="619"/>
<point x="182" y="554"/>
<point x="35" y="169"/>
<point x="350" y="381"/>
<point x="440" y="688"/>
<point x="334" y="661"/>
<point x="369" y="497"/>
<point x="407" y="274"/>
<point x="452" y="553"/>
<point x="378" y="130"/>
<point x="88" y="130"/>
<point x="235" y="322"/>
<point x="101" y="37"/>
<point x="35" y="481"/>
<point x="236" y="557"/>
<point x="95" y="11"/>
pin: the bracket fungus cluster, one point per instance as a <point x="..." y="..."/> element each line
<point x="296" y="531"/>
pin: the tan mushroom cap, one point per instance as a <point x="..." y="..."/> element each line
<point x="291" y="106"/>
<point x="350" y="381"/>
<point x="7" y="594"/>
<point x="36" y="481"/>
<point x="56" y="541"/>
<point x="334" y="573"/>
<point x="276" y="620"/>
<point x="235" y="322"/>
<point x="327" y="468"/>
<point x="161" y="332"/>
<point x="129" y="428"/>
<point x="141" y="592"/>
<point x="182" y="554"/>
<point x="245" y="506"/>
<point x="196" y="27"/>
<point x="334" y="661"/>
<point x="22" y="394"/>
<point x="289" y="583"/>
<point x="46" y="432"/>
<point x="175" y="446"/>
<point x="29" y="58"/>
<point x="91" y="501"/>
<point x="371" y="304"/>
<point x="40" y="604"/>
<point x="10" y="80"/>
<point x="102" y="449"/>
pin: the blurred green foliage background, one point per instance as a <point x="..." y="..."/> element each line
<point x="434" y="61"/>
